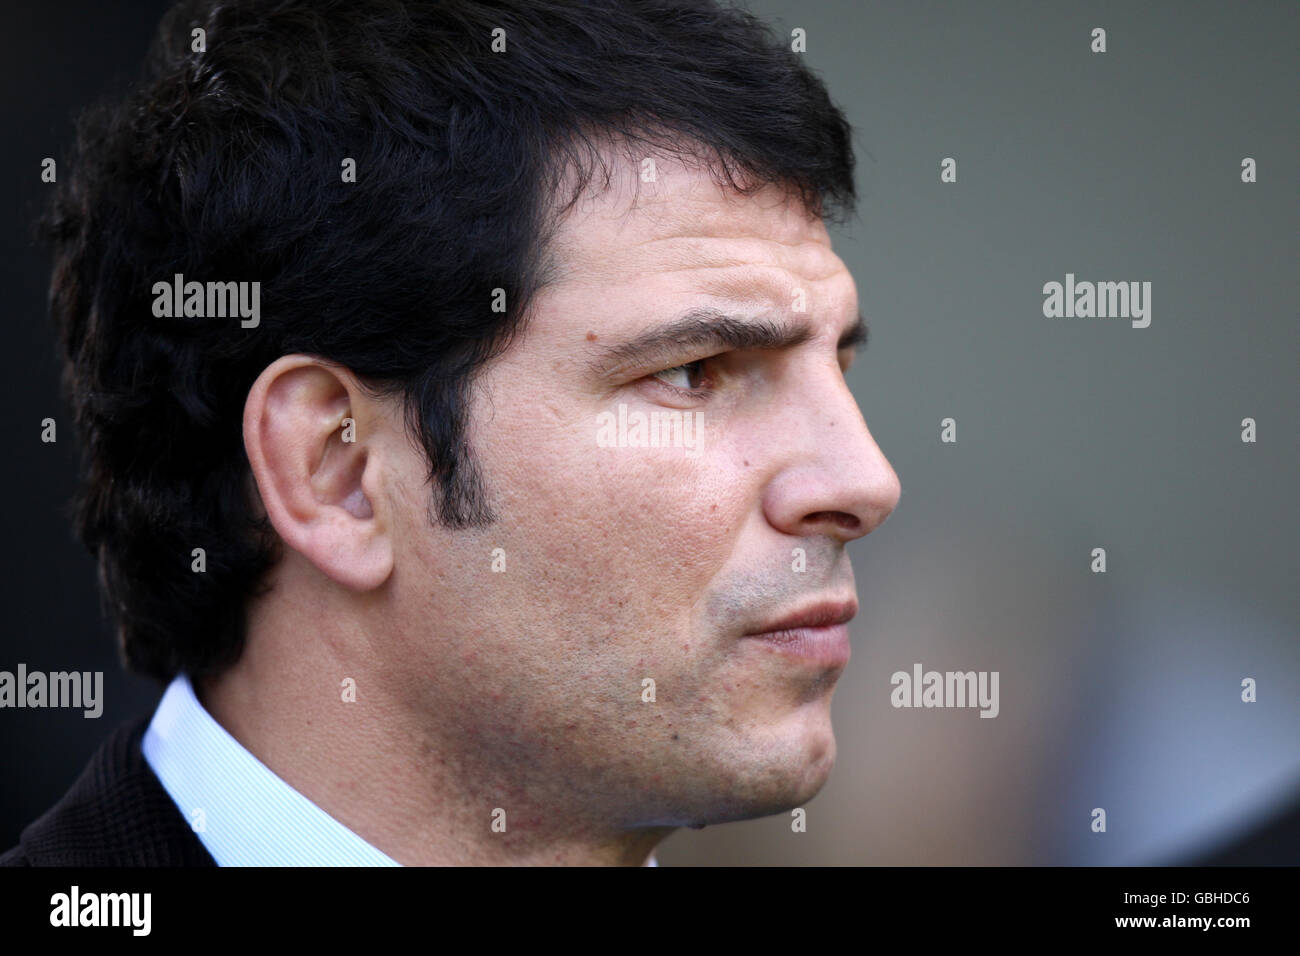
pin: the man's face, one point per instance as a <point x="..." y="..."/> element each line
<point x="619" y="565"/>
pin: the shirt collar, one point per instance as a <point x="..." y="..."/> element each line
<point x="239" y="809"/>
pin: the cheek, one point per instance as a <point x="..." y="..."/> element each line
<point x="637" y="531"/>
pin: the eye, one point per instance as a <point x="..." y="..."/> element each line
<point x="687" y="377"/>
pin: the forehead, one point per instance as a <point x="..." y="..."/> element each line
<point x="683" y="227"/>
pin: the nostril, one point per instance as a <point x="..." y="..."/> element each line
<point x="841" y="519"/>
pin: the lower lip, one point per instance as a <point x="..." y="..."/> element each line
<point x="826" y="646"/>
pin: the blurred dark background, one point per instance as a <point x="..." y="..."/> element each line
<point x="1118" y="690"/>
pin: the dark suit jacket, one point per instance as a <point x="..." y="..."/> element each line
<point x="116" y="814"/>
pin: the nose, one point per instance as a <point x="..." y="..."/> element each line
<point x="834" y="479"/>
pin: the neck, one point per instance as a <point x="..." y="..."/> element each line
<point x="407" y="780"/>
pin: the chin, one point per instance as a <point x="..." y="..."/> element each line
<point x="782" y="773"/>
<point x="816" y="770"/>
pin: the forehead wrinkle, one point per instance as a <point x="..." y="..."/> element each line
<point x="742" y="248"/>
<point x="687" y="254"/>
<point x="755" y="281"/>
<point x="676" y="240"/>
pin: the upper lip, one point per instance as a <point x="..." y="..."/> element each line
<point x="821" y="614"/>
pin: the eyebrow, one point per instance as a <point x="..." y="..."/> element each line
<point x="712" y="328"/>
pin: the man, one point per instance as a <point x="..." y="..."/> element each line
<point x="504" y="519"/>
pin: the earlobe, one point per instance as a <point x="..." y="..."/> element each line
<point x="311" y="437"/>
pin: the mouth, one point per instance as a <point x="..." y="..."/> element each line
<point x="818" y="633"/>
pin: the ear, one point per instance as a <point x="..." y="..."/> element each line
<point x="320" y="481"/>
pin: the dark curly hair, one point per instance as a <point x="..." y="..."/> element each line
<point x="226" y="165"/>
